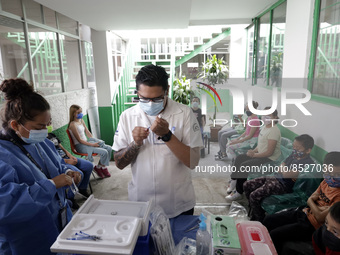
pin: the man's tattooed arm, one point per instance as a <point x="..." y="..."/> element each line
<point x="126" y="156"/>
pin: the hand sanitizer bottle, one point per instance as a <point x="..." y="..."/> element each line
<point x="203" y="240"/>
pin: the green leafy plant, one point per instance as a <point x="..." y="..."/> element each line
<point x="215" y="71"/>
<point x="182" y="91"/>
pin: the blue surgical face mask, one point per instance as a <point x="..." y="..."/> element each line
<point x="267" y="120"/>
<point x="195" y="104"/>
<point x="80" y="116"/>
<point x="298" y="154"/>
<point x="333" y="182"/>
<point x="249" y="113"/>
<point x="152" y="108"/>
<point x="35" y="136"/>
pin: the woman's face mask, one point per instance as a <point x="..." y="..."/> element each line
<point x="79" y="115"/>
<point x="35" y="136"/>
<point x="267" y="120"/>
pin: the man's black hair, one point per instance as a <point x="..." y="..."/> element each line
<point x="334" y="211"/>
<point x="332" y="158"/>
<point x="152" y="75"/>
<point x="306" y="140"/>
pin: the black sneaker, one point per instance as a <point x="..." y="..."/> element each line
<point x="74" y="206"/>
<point x="84" y="192"/>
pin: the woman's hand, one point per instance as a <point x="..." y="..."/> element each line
<point x="250" y="153"/>
<point x="234" y="142"/>
<point x="95" y="144"/>
<point x="75" y="175"/>
<point x="71" y="161"/>
<point x="62" y="180"/>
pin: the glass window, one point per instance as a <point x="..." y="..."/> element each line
<point x="33" y="10"/>
<point x="327" y="62"/>
<point x="67" y="24"/>
<point x="44" y="53"/>
<point x="71" y="62"/>
<point x="49" y="17"/>
<point x="250" y="52"/>
<point x="13" y="54"/>
<point x="118" y="55"/>
<point x="262" y="49"/>
<point x="276" y="56"/>
<point x="88" y="64"/>
<point x="12" y="6"/>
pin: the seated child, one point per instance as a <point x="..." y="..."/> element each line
<point x="299" y="224"/>
<point x="326" y="239"/>
<point x="259" y="188"/>
<point x="79" y="134"/>
<point x="80" y="165"/>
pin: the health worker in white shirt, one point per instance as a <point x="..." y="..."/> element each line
<point x="161" y="139"/>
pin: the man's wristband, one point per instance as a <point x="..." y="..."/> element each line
<point x="166" y="137"/>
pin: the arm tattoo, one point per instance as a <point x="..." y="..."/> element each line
<point x="125" y="156"/>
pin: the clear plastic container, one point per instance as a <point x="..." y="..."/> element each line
<point x="203" y="240"/>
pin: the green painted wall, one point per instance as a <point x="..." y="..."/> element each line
<point x="106" y="120"/>
<point x="317" y="152"/>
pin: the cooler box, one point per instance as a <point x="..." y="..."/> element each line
<point x="140" y="210"/>
<point x="225" y="239"/>
<point x="255" y="239"/>
<point x="117" y="223"/>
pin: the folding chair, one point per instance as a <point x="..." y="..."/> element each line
<point x="73" y="149"/>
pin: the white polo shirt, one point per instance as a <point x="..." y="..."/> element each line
<point x="157" y="173"/>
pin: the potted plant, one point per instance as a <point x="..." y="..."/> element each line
<point x="182" y="91"/>
<point x="214" y="71"/>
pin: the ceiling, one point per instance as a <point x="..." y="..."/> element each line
<point x="158" y="14"/>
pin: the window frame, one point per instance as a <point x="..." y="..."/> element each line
<point x="256" y="24"/>
<point x="312" y="60"/>
<point x="26" y="22"/>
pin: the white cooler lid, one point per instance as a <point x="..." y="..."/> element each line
<point x="118" y="235"/>
<point x="120" y="208"/>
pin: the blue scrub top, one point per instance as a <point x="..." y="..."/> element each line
<point x="29" y="202"/>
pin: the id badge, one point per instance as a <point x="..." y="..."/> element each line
<point x="63" y="217"/>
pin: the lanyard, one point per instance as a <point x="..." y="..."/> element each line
<point x="35" y="163"/>
<point x="29" y="156"/>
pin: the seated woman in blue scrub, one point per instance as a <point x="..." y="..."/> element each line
<point x="33" y="208"/>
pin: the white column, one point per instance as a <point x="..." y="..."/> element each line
<point x="102" y="54"/>
<point x="298" y="37"/>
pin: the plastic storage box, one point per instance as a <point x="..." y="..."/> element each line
<point x="225" y="239"/>
<point x="117" y="223"/>
<point x="255" y="239"/>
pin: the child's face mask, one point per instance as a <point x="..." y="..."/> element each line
<point x="333" y="182"/>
